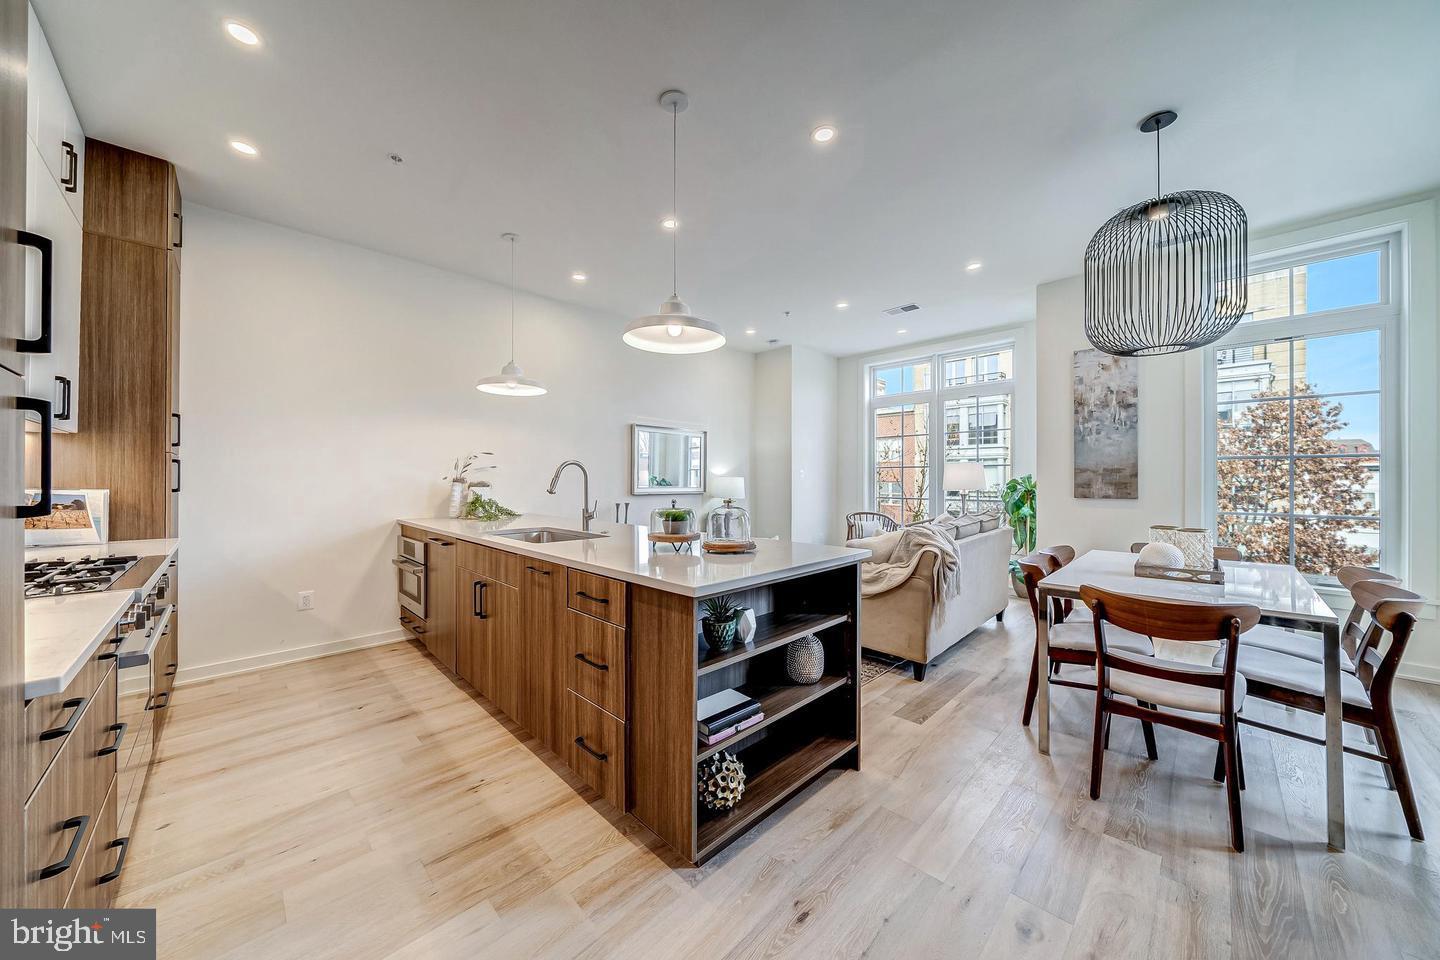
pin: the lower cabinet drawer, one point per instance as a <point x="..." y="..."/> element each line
<point x="130" y="778"/>
<point x="52" y="719"/>
<point x="595" y="747"/>
<point x="489" y="562"/>
<point x="105" y="856"/>
<point x="596" y="662"/>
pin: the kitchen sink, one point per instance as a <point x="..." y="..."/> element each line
<point x="546" y="535"/>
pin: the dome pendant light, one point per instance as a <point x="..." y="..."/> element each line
<point x="511" y="381"/>
<point x="674" y="329"/>
<point x="1167" y="274"/>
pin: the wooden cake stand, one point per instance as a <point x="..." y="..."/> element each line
<point x="729" y="546"/>
<point x="678" y="541"/>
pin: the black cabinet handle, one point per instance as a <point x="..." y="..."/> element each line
<point x="157" y="704"/>
<point x="602" y="757"/>
<point x="172" y="668"/>
<point x="477" y="599"/>
<point x="582" y="593"/>
<point x="176" y="441"/>
<point x="119" y="729"/>
<point x="65" y="411"/>
<point x="441" y="543"/>
<point x="79" y="825"/>
<point x="43" y="506"/>
<point x="40" y="344"/>
<point x="180" y="229"/>
<point x="176" y="461"/>
<point x="55" y="733"/>
<point x="71" y="180"/>
<point x="124" y="844"/>
<point x="543" y="573"/>
<point x="591" y="663"/>
<point x="411" y="626"/>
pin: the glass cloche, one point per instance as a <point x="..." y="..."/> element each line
<point x="673" y="520"/>
<point x="728" y="524"/>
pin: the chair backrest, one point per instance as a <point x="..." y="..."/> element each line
<point x="1035" y="567"/>
<point x="854" y="522"/>
<point x="1171" y="620"/>
<point x="1062" y="552"/>
<point x="1350" y="633"/>
<point x="1393" y="610"/>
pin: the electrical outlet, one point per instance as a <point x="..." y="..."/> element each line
<point x="305" y="600"/>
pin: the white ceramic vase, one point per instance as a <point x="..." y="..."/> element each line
<point x="457" y="498"/>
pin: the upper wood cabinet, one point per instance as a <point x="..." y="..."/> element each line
<point x="129" y="347"/>
<point x="130" y="196"/>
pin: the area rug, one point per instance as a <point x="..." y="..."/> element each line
<point x="873" y="666"/>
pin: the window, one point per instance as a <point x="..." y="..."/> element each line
<point x="974" y="400"/>
<point x="1301" y="404"/>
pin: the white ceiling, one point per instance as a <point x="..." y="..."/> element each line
<point x="968" y="129"/>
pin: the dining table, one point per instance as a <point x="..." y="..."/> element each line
<point x="1284" y="597"/>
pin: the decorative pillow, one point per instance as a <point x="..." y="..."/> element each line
<point x="990" y="523"/>
<point x="958" y="528"/>
<point x="880" y="546"/>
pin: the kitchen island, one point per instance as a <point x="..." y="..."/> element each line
<point x="594" y="645"/>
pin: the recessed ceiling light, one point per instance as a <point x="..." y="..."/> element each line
<point x="842" y="305"/>
<point x="973" y="265"/>
<point x="242" y="33"/>
<point x="749" y="331"/>
<point x="902" y="330"/>
<point x="823" y="133"/>
<point x="669" y="223"/>
<point x="579" y="277"/>
<point x="240" y="146"/>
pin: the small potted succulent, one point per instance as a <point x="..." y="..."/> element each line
<point x="721" y="615"/>
<point x="673" y="520"/>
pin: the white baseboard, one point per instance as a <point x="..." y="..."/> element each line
<point x="226" y="668"/>
<point x="1423" y="672"/>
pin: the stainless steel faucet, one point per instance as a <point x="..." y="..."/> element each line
<point x="587" y="512"/>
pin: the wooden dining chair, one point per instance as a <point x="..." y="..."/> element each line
<point x="1366" y="695"/>
<point x="854" y="522"/>
<point x="1221" y="552"/>
<point x="1167" y="692"/>
<point x="1071" y="641"/>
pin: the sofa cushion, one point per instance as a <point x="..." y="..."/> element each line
<point x="958" y="528"/>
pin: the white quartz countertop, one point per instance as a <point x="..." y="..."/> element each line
<point x="624" y="553"/>
<point x="62" y="632"/>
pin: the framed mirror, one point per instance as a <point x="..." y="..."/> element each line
<point x="666" y="460"/>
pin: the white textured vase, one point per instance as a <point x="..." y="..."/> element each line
<point x="1195" y="543"/>
<point x="457" y="499"/>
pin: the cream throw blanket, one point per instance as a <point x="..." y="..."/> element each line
<point x="914" y="543"/>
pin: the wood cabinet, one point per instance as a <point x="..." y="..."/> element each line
<point x="542" y="606"/>
<point x="595" y="747"/>
<point x="54" y="376"/>
<point x="596" y="662"/>
<point x="488" y="638"/>
<point x="129" y="347"/>
<point x="440" y="572"/>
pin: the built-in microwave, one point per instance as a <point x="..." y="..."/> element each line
<point x="410" y="574"/>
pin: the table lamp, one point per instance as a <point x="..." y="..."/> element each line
<point x="964" y="476"/>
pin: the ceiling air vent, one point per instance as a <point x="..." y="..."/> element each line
<point x="903" y="308"/>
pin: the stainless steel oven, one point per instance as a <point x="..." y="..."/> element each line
<point x="410" y="575"/>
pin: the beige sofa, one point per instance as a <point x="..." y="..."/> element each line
<point x="905" y="622"/>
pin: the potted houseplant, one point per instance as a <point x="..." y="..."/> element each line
<point x="1018" y="498"/>
<point x="719" y="621"/>
<point x="676" y="520"/>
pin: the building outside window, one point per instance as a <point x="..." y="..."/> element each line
<point x="1303" y="408"/>
<point x="909" y="444"/>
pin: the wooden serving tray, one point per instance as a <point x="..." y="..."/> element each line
<point x="674" y="537"/>
<point x="1181" y="574"/>
<point x="713" y="547"/>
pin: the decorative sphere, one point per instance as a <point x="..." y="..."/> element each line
<point x="1162" y="555"/>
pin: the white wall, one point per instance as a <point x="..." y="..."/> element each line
<point x="813" y="445"/>
<point x="769" y="480"/>
<point x="326" y="389"/>
<point x="1088" y="524"/>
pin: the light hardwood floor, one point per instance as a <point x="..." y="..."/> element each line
<point x="370" y="806"/>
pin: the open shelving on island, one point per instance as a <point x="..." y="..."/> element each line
<point x="807" y="729"/>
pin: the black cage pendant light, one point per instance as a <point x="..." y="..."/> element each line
<point x="1166" y="274"/>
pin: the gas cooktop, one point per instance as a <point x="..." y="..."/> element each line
<point x="60" y="577"/>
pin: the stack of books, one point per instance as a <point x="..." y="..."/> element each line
<point x="725" y="714"/>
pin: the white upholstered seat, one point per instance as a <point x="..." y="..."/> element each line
<point x="1301" y="645"/>
<point x="1293" y="673"/>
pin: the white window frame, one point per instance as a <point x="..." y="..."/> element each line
<point x="1386" y="317"/>
<point x="935" y="396"/>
